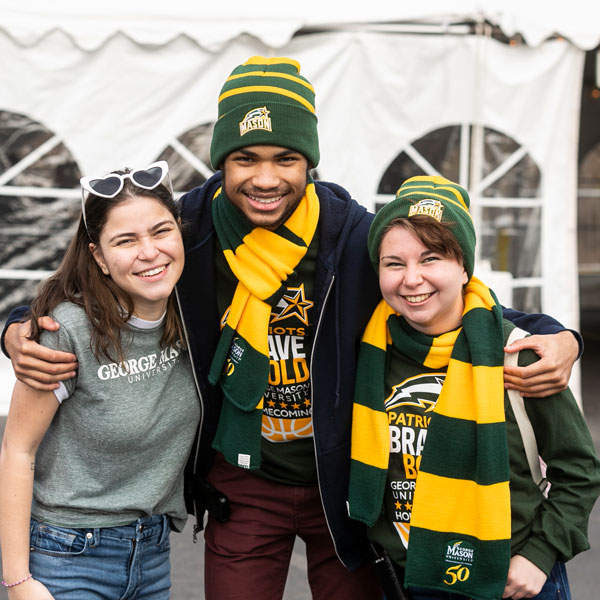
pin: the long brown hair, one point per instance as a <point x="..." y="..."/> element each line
<point x="79" y="280"/>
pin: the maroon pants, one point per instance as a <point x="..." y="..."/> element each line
<point x="248" y="557"/>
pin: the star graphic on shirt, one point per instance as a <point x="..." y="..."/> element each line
<point x="398" y="505"/>
<point x="295" y="406"/>
<point x="408" y="506"/>
<point x="283" y="405"/>
<point x="293" y="304"/>
<point x="307" y="402"/>
<point x="271" y="403"/>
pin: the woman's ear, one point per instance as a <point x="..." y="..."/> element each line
<point x="97" y="254"/>
<point x="465" y="279"/>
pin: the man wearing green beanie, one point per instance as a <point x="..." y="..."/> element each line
<point x="275" y="294"/>
<point x="285" y="253"/>
<point x="266" y="102"/>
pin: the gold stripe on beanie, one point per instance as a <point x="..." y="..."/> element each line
<point x="275" y="60"/>
<point x="271" y="90"/>
<point x="271" y="74"/>
<point x="460" y="204"/>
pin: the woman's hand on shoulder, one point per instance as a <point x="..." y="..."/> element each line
<point x="524" y="580"/>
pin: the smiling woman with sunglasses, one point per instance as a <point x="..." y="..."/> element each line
<point x="86" y="499"/>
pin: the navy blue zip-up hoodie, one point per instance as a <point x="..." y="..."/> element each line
<point x="346" y="293"/>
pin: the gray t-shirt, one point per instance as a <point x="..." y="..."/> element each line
<point x="118" y="444"/>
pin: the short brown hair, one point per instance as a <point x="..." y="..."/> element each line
<point x="432" y="234"/>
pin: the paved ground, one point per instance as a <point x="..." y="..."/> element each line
<point x="583" y="570"/>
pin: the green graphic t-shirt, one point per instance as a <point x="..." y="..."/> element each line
<point x="287" y="447"/>
<point x="409" y="404"/>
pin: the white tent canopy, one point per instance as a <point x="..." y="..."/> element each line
<point x="121" y="84"/>
<point x="274" y="23"/>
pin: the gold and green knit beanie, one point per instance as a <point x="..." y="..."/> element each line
<point x="266" y="101"/>
<point x="437" y="197"/>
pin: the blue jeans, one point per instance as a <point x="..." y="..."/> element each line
<point x="107" y="563"/>
<point x="555" y="588"/>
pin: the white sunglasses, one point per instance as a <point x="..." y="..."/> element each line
<point x="109" y="185"/>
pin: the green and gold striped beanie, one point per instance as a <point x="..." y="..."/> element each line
<point x="437" y="197"/>
<point x="266" y="101"/>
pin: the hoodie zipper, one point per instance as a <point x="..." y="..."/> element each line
<point x="196" y="528"/>
<point x="312" y="354"/>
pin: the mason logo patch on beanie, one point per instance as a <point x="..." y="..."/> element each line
<point x="266" y="101"/>
<point x="430" y="207"/>
<point x="257" y="118"/>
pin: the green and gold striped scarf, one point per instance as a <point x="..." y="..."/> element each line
<point x="261" y="260"/>
<point x="461" y="521"/>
